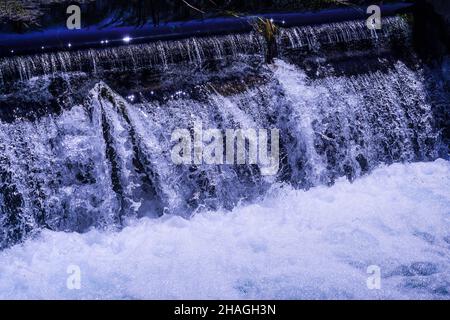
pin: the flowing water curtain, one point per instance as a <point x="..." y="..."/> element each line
<point x="101" y="160"/>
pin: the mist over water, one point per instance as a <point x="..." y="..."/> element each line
<point x="85" y="137"/>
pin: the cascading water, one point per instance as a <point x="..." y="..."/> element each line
<point x="85" y="137"/>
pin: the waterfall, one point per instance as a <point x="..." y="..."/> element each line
<point x="84" y="155"/>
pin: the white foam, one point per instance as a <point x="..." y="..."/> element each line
<point x="294" y="244"/>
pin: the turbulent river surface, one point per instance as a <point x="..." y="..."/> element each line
<point x="85" y="142"/>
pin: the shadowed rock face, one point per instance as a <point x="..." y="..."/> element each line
<point x="441" y="7"/>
